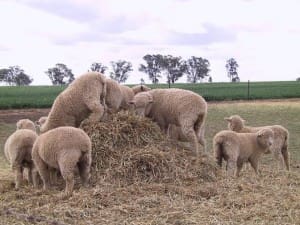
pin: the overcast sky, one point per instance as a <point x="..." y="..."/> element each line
<point x="262" y="35"/>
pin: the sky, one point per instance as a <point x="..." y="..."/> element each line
<point x="262" y="35"/>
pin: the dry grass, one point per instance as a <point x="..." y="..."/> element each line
<point x="139" y="177"/>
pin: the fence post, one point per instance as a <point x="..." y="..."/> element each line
<point x="248" y="96"/>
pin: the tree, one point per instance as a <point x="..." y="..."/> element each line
<point x="60" y="74"/>
<point x="121" y="70"/>
<point x="196" y="69"/>
<point x="174" y="67"/>
<point x="210" y="79"/>
<point x="153" y="67"/>
<point x="98" y="67"/>
<point x="15" y="75"/>
<point x="231" y="67"/>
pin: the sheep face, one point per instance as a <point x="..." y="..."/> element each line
<point x="235" y="123"/>
<point x="25" y="124"/>
<point x="265" y="138"/>
<point x="142" y="103"/>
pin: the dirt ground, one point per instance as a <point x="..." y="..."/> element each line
<point x="13" y="115"/>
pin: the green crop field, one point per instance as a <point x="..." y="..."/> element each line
<point x="43" y="96"/>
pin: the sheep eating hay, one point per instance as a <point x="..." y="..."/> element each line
<point x="128" y="149"/>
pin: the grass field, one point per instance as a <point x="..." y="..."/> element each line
<point x="43" y="96"/>
<point x="274" y="198"/>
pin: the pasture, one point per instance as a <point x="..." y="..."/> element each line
<point x="272" y="198"/>
<point x="43" y="96"/>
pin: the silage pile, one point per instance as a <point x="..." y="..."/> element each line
<point x="129" y="149"/>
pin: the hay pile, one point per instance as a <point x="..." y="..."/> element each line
<point x="129" y="149"/>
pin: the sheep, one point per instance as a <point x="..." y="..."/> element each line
<point x="62" y="148"/>
<point x="281" y="137"/>
<point x="182" y="108"/>
<point x="17" y="150"/>
<point x="82" y="98"/>
<point x="26" y="124"/>
<point x="41" y="121"/>
<point x="118" y="96"/>
<point x="237" y="148"/>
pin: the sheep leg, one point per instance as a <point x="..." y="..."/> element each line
<point x="254" y="164"/>
<point x="67" y="168"/>
<point x="18" y="176"/>
<point x="190" y="134"/>
<point x="285" y="155"/>
<point x="30" y="179"/>
<point x="97" y="110"/>
<point x="43" y="171"/>
<point x="230" y="167"/>
<point x="35" y="177"/>
<point x="239" y="168"/>
<point x="199" y="129"/>
<point x="84" y="168"/>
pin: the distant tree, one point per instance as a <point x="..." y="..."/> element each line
<point x="231" y="66"/>
<point x="210" y="79"/>
<point x="14" y="75"/>
<point x="153" y="67"/>
<point x="3" y="74"/>
<point x="298" y="79"/>
<point x="121" y="70"/>
<point x="98" y="67"/>
<point x="142" y="81"/>
<point x="60" y="74"/>
<point x="174" y="68"/>
<point x="197" y="68"/>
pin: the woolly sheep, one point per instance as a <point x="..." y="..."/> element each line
<point x="237" y="148"/>
<point x="62" y="148"/>
<point x="17" y="150"/>
<point x="82" y="98"/>
<point x="26" y="124"/>
<point x="118" y="96"/>
<point x="41" y="121"/>
<point x="281" y="137"/>
<point x="182" y="108"/>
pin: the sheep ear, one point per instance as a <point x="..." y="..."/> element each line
<point x="228" y="119"/>
<point x="37" y="122"/>
<point x="260" y="134"/>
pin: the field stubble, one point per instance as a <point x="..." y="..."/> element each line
<point x="272" y="198"/>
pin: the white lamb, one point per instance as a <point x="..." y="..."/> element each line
<point x="17" y="150"/>
<point x="238" y="148"/>
<point x="281" y="137"/>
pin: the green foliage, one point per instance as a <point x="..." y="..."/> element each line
<point x="153" y="67"/>
<point x="98" y="67"/>
<point x="14" y="75"/>
<point x="231" y="67"/>
<point x="43" y="96"/>
<point x="197" y="68"/>
<point x="60" y="74"/>
<point x="121" y="70"/>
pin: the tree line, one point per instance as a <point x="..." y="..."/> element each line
<point x="155" y="66"/>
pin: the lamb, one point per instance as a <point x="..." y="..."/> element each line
<point x="26" y="124"/>
<point x="237" y="148"/>
<point x="281" y="137"/>
<point x="118" y="96"/>
<point x="41" y="121"/>
<point x="182" y="108"/>
<point x="62" y="148"/>
<point x="17" y="150"/>
<point x="82" y="98"/>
